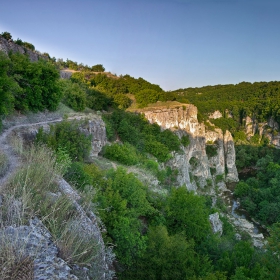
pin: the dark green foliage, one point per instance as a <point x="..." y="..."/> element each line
<point x="259" y="100"/>
<point x="194" y="162"/>
<point x="248" y="156"/>
<point x="116" y="88"/>
<point x="157" y="149"/>
<point x="110" y="132"/>
<point x="213" y="170"/>
<point x="74" y="94"/>
<point x="211" y="150"/>
<point x="147" y="96"/>
<point x="122" y="100"/>
<point x="38" y="83"/>
<point x="77" y="175"/>
<point x="220" y="178"/>
<point x="255" y="140"/>
<point x="186" y="213"/>
<point x="97" y="68"/>
<point x="260" y="196"/>
<point x="123" y="198"/>
<point x="19" y="42"/>
<point x="185" y="140"/>
<point x="28" y="46"/>
<point x="274" y="239"/>
<point x="67" y="135"/>
<point x="167" y="257"/>
<point x="226" y="124"/>
<point x="8" y="87"/>
<point x="6" y="35"/>
<point x="97" y="100"/>
<point x="123" y="153"/>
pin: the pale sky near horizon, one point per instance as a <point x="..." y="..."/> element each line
<point x="172" y="43"/>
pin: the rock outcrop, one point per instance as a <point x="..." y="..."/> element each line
<point x="268" y="129"/>
<point x="96" y="128"/>
<point x="216" y="115"/>
<point x="35" y="242"/>
<point x="8" y="45"/>
<point x="196" y="168"/>
<point x="216" y="223"/>
<point x="66" y="74"/>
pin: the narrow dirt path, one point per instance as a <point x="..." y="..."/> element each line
<point x="6" y="148"/>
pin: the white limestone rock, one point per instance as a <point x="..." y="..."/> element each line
<point x="216" y="223"/>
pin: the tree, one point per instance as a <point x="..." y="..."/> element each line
<point x="97" y="68"/>
<point x="6" y="35"/>
<point x="8" y="87"/>
<point x="38" y="82"/>
<point x="186" y="212"/>
<point x="74" y="95"/>
<point x="168" y="257"/>
<point x="147" y="96"/>
<point x="29" y="46"/>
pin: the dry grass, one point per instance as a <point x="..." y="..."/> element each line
<point x="4" y="164"/>
<point x="32" y="191"/>
<point x="15" y="266"/>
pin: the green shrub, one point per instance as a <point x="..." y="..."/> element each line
<point x="185" y="140"/>
<point x="147" y="96"/>
<point x="74" y="95"/>
<point x="152" y="166"/>
<point x="110" y="132"/>
<point x="194" y="162"/>
<point x="123" y="153"/>
<point x="211" y="150"/>
<point x="67" y="135"/>
<point x="212" y="170"/>
<point x="255" y="139"/>
<point x="77" y="175"/>
<point x="220" y="178"/>
<point x="157" y="149"/>
<point x="38" y="82"/>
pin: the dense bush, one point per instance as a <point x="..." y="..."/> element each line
<point x="123" y="153"/>
<point x="6" y="35"/>
<point x="147" y="96"/>
<point x="74" y="95"/>
<point x="97" y="68"/>
<point x="260" y="195"/>
<point x="38" y="82"/>
<point x="68" y="136"/>
<point x="8" y="87"/>
<point x="97" y="100"/>
<point x="187" y="213"/>
<point x="185" y="140"/>
<point x="211" y="150"/>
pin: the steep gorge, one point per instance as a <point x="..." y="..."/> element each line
<point x="196" y="168"/>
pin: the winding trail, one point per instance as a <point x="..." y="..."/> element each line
<point x="6" y="148"/>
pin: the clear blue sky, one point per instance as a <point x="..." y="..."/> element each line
<point x="173" y="43"/>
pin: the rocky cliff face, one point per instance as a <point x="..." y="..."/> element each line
<point x="268" y="129"/>
<point x="8" y="45"/>
<point x="196" y="168"/>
